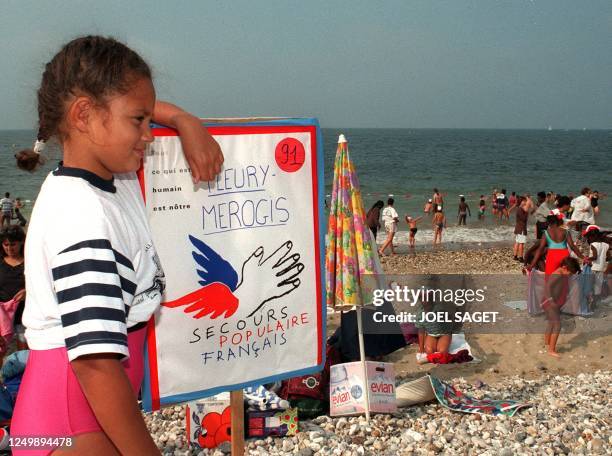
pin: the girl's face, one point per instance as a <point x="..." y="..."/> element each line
<point x="12" y="248"/>
<point x="122" y="131"/>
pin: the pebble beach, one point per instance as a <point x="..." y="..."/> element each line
<point x="570" y="406"/>
<point x="570" y="415"/>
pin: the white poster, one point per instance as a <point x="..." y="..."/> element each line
<point x="243" y="261"/>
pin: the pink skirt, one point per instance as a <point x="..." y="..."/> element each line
<point x="51" y="403"/>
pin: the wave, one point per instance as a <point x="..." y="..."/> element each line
<point x="459" y="235"/>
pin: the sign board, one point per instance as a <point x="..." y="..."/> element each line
<point x="242" y="254"/>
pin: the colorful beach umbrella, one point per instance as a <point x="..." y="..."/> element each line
<point x="350" y="255"/>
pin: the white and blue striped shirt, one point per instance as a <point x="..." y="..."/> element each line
<point x="91" y="268"/>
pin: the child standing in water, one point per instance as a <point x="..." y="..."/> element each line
<point x="463" y="211"/>
<point x="93" y="277"/>
<point x="482" y="207"/>
<point x="412" y="225"/>
<point x="439" y="223"/>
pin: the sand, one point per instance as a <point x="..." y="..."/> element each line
<point x="584" y="344"/>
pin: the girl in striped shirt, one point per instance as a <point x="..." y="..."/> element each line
<point x="93" y="278"/>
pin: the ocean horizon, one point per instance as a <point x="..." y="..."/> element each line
<point x="407" y="163"/>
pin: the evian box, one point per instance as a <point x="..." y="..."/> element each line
<point x="347" y="388"/>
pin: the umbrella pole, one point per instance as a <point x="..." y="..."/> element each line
<point x="363" y="363"/>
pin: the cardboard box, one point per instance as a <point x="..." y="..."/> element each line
<point x="272" y="422"/>
<point x="208" y="421"/>
<point x="347" y="388"/>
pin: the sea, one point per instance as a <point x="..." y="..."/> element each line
<point x="407" y="164"/>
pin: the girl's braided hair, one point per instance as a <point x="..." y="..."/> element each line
<point x="94" y="66"/>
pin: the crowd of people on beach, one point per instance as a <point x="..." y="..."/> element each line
<point x="581" y="211"/>
<point x="567" y="241"/>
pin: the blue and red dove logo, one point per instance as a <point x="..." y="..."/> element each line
<point x="223" y="292"/>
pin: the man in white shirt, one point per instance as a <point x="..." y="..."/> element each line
<point x="6" y="210"/>
<point x="541" y="213"/>
<point x="390" y="219"/>
<point x="583" y="212"/>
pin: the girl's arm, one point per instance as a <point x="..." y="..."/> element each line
<point x="593" y="257"/>
<point x="575" y="249"/>
<point x="201" y="151"/>
<point x="538" y="254"/>
<point x="110" y="395"/>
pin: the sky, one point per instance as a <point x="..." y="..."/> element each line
<point x="353" y="63"/>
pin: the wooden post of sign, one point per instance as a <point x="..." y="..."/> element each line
<point x="237" y="411"/>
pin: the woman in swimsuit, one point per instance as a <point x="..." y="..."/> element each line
<point x="494" y="202"/>
<point x="556" y="240"/>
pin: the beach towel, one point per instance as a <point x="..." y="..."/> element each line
<point x="462" y="356"/>
<point x="453" y="399"/>
<point x="459" y="343"/>
<point x="422" y="390"/>
<point x="576" y="302"/>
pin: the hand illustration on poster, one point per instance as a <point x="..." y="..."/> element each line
<point x="221" y="295"/>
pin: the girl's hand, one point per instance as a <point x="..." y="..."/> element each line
<point x="201" y="151"/>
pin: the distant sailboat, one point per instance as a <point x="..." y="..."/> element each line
<point x="549" y="128"/>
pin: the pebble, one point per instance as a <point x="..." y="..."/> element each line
<point x="567" y="416"/>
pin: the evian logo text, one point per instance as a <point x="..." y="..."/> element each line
<point x="338" y="399"/>
<point x="382" y="387"/>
